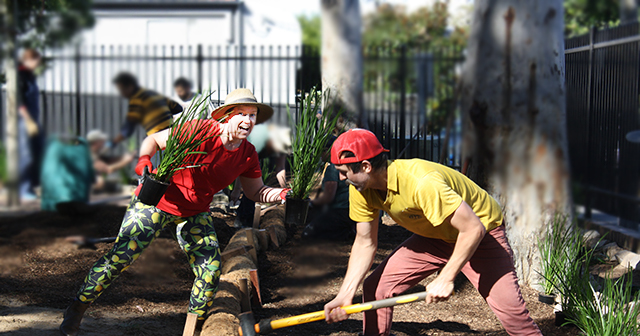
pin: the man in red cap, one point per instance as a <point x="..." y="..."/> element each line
<point x="457" y="227"/>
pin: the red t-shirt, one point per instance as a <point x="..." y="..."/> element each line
<point x="192" y="189"/>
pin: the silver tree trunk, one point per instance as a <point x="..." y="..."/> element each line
<point x="11" y="117"/>
<point x="342" y="56"/>
<point x="513" y="102"/>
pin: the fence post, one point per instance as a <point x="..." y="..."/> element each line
<point x="78" y="96"/>
<point x="199" y="60"/>
<point x="403" y="99"/>
<point x="587" y="209"/>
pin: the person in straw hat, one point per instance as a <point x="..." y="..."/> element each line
<point x="184" y="208"/>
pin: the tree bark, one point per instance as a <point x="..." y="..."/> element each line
<point x="11" y="110"/>
<point x="342" y="57"/>
<point x="514" y="110"/>
<point x="628" y="11"/>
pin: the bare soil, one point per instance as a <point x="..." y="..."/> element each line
<point x="40" y="273"/>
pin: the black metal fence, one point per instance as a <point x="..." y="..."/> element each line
<point x="602" y="83"/>
<point x="407" y="92"/>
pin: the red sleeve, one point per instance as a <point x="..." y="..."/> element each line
<point x="253" y="165"/>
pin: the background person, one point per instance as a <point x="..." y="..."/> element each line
<point x="273" y="144"/>
<point x="186" y="98"/>
<point x="102" y="164"/>
<point x="184" y="208"/>
<point x="146" y="107"/>
<point x="457" y="227"/>
<point x="328" y="217"/>
<point x="30" y="137"/>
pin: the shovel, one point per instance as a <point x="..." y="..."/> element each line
<point x="266" y="326"/>
<point x="89" y="243"/>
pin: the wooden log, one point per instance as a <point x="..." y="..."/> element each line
<point x="249" y="234"/>
<point x="228" y="254"/>
<point x="273" y="236"/>
<point x="190" y="325"/>
<point x="245" y="302"/>
<point x="256" y="216"/>
<point x="263" y="239"/>
<point x="257" y="299"/>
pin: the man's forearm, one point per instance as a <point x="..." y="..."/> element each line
<point x="360" y="261"/>
<point x="149" y="146"/>
<point x="465" y="247"/>
<point x="268" y="195"/>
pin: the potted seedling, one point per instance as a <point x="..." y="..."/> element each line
<point x="312" y="130"/>
<point x="186" y="135"/>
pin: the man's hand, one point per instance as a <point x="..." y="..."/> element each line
<point x="439" y="290"/>
<point x="333" y="311"/>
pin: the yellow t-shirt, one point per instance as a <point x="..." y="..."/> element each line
<point x="153" y="110"/>
<point x="421" y="195"/>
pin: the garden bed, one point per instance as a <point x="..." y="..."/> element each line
<point x="39" y="274"/>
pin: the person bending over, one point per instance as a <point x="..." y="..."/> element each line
<point x="146" y="107"/>
<point x="184" y="208"/>
<point x="456" y="225"/>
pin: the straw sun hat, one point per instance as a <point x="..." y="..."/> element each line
<point x="239" y="97"/>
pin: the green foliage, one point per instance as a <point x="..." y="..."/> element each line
<point x="50" y="23"/>
<point x="579" y="15"/>
<point x="553" y="246"/>
<point x="310" y="135"/>
<point x="393" y="26"/>
<point x="565" y="267"/>
<point x="311" y="30"/>
<point x="266" y="172"/>
<point x="394" y="39"/>
<point x="185" y="136"/>
<point x="613" y="312"/>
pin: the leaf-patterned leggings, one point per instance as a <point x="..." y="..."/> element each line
<point x="141" y="225"/>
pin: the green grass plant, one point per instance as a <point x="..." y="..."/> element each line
<point x="565" y="269"/>
<point x="553" y="245"/>
<point x="187" y="133"/>
<point x="613" y="312"/>
<point x="310" y="135"/>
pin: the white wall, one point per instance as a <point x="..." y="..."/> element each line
<point x="267" y="33"/>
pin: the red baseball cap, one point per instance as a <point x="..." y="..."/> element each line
<point x="361" y="142"/>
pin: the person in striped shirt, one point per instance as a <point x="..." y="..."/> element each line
<point x="153" y="111"/>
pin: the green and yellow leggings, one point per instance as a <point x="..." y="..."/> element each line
<point x="141" y="225"/>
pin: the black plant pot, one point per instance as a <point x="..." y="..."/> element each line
<point x="295" y="211"/>
<point x="548" y="299"/>
<point x="561" y="319"/>
<point x="152" y="190"/>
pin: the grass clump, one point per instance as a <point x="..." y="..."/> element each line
<point x="613" y="312"/>
<point x="556" y="251"/>
<point x="187" y="133"/>
<point x="312" y="130"/>
<point x="565" y="269"/>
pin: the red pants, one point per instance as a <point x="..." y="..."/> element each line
<point x="490" y="270"/>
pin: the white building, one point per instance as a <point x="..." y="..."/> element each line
<point x="218" y="44"/>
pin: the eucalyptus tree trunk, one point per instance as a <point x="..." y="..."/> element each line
<point x="514" y="109"/>
<point x="628" y="11"/>
<point x="8" y="49"/>
<point x="342" y="57"/>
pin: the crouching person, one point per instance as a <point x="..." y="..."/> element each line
<point x="185" y="206"/>
<point x="457" y="226"/>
